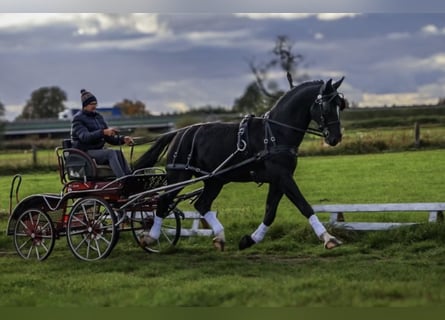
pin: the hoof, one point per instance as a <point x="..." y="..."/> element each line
<point x="218" y="244"/>
<point x="246" y="242"/>
<point x="145" y="240"/>
<point x="330" y="242"/>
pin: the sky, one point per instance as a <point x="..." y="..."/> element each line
<point x="177" y="61"/>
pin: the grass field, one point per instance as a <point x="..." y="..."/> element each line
<point x="290" y="268"/>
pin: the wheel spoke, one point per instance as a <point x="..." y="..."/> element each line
<point x="29" y="252"/>
<point x="25" y="243"/>
<point x="37" y="253"/>
<point x="34" y="235"/>
<point x="96" y="220"/>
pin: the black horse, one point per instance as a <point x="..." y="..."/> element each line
<point x="259" y="149"/>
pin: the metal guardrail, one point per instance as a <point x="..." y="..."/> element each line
<point x="54" y="126"/>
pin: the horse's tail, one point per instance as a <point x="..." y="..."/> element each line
<point x="151" y="157"/>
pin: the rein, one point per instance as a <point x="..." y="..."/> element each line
<point x="314" y="131"/>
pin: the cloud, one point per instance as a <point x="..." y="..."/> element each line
<point x="226" y="6"/>
<point x="432" y="29"/>
<point x="84" y="23"/>
<point x="426" y="94"/>
<point x="23" y="21"/>
<point x="12" y="111"/>
<point x="318" y="36"/>
<point x="435" y="62"/>
<point x="191" y="60"/>
<point x="295" y="16"/>
<point x="217" y="38"/>
<point x="141" y="23"/>
<point x="400" y="99"/>
<point x="335" y="16"/>
<point x="178" y="106"/>
<point x="435" y="89"/>
<point x="80" y="31"/>
<point x="398" y="35"/>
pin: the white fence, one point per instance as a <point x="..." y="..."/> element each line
<point x="433" y="213"/>
<point x="337" y="218"/>
<point x="198" y="226"/>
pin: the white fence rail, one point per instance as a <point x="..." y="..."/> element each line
<point x="434" y="211"/>
<point x="198" y="226"/>
<point x="337" y="218"/>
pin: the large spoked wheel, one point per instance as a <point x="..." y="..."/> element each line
<point x="34" y="235"/>
<point x="142" y="221"/>
<point x="91" y="229"/>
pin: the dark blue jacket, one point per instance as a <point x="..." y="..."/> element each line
<point x="87" y="131"/>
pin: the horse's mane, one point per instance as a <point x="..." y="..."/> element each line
<point x="291" y="92"/>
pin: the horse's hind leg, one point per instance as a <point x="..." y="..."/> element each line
<point x="203" y="205"/>
<point x="273" y="199"/>
<point x="162" y="210"/>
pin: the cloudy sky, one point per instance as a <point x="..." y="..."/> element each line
<point x="178" y="61"/>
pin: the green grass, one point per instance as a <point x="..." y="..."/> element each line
<point x="290" y="268"/>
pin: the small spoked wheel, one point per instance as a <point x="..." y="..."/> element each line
<point x="141" y="222"/>
<point x="34" y="235"/>
<point x="91" y="229"/>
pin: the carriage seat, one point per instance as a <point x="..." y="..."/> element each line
<point x="79" y="165"/>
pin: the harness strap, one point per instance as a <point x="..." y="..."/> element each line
<point x="243" y="139"/>
<point x="189" y="156"/>
<point x="241" y="146"/>
<point x="175" y="154"/>
<point x="218" y="170"/>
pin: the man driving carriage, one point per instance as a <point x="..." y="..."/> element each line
<point x="90" y="132"/>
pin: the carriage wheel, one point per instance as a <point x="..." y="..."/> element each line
<point x="91" y="229"/>
<point x="34" y="235"/>
<point x="142" y="221"/>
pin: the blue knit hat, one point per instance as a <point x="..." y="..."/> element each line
<point x="87" y="97"/>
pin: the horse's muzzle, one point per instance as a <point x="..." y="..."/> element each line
<point x="333" y="141"/>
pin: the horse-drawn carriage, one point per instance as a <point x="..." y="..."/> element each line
<point x="91" y="210"/>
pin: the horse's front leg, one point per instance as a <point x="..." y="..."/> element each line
<point x="273" y="199"/>
<point x="296" y="197"/>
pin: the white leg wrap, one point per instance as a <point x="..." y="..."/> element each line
<point x="214" y="223"/>
<point x="318" y="227"/>
<point x="155" y="230"/>
<point x="259" y="233"/>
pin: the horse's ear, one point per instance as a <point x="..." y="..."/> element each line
<point x="325" y="86"/>
<point x="338" y="83"/>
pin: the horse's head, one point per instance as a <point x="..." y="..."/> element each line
<point x="326" y="111"/>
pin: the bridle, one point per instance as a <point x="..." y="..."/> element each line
<point x="323" y="125"/>
<point x="319" y="103"/>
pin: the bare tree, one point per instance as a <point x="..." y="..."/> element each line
<point x="282" y="58"/>
<point x="265" y="91"/>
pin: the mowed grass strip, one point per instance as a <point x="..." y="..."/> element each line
<point x="402" y="267"/>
